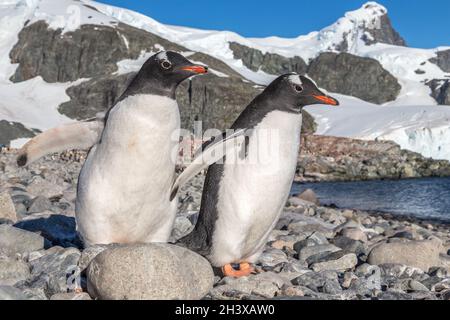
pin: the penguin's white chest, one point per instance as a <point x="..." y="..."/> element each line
<point x="123" y="193"/>
<point x="252" y="194"/>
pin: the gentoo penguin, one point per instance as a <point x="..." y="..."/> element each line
<point x="243" y="199"/>
<point x="123" y="193"/>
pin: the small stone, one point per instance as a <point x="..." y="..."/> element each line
<point x="90" y="253"/>
<point x="348" y="214"/>
<point x="363" y="288"/>
<point x="311" y="227"/>
<point x="405" y="234"/>
<point x="280" y="244"/>
<point x="441" y="286"/>
<point x="333" y="216"/>
<point x="293" y="291"/>
<point x="71" y="296"/>
<point x="439" y="272"/>
<point x="7" y="209"/>
<point x="354" y="234"/>
<point x="293" y="265"/>
<point x="371" y="274"/>
<point x="338" y="261"/>
<point x="251" y="285"/>
<point x="310" y="196"/>
<point x="420" y="254"/>
<point x="308" y="252"/>
<point x="445" y="295"/>
<point x="399" y="270"/>
<point x="14" y="240"/>
<point x="13" y="271"/>
<point x="366" y="269"/>
<point x="316" y="281"/>
<point x="21" y="210"/>
<point x="39" y="204"/>
<point x="394" y="295"/>
<point x="11" y="293"/>
<point x="299" y="245"/>
<point x="57" y="271"/>
<point x="347" y="279"/>
<point x="35" y="255"/>
<point x="149" y="271"/>
<point x="417" y="286"/>
<point x="431" y="282"/>
<point x="39" y="186"/>
<point x="319" y="238"/>
<point x="350" y="245"/>
<point x="34" y="293"/>
<point x="182" y="227"/>
<point x="272" y="257"/>
<point x="378" y="229"/>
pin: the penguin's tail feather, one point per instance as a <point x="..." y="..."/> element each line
<point x="79" y="135"/>
<point x="211" y="152"/>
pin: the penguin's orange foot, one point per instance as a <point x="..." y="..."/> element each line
<point x="237" y="270"/>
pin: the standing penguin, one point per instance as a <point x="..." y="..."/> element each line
<point x="123" y="193"/>
<point x="242" y="200"/>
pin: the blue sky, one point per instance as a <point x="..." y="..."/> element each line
<point x="424" y="24"/>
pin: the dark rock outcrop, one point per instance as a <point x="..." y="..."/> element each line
<point x="440" y="90"/>
<point x="442" y="60"/>
<point x="382" y="31"/>
<point x="360" y="77"/>
<point x="90" y="51"/>
<point x="324" y="158"/>
<point x="343" y="73"/>
<point x="94" y="96"/>
<point x="271" y="63"/>
<point x="12" y="130"/>
<point x="216" y="101"/>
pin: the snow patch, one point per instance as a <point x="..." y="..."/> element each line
<point x="34" y="103"/>
<point x="422" y="129"/>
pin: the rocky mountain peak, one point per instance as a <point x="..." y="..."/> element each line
<point x="367" y="25"/>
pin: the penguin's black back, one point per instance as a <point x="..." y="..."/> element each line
<point x="200" y="239"/>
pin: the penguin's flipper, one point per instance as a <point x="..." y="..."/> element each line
<point x="79" y="135"/>
<point x="211" y="152"/>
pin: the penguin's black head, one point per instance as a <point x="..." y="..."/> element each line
<point x="164" y="71"/>
<point x="296" y="91"/>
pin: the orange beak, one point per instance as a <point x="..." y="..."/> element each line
<point x="327" y="100"/>
<point x="196" y="69"/>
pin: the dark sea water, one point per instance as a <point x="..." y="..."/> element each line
<point x="427" y="198"/>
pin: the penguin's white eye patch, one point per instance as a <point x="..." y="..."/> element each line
<point x="295" y="79"/>
<point x="166" y="64"/>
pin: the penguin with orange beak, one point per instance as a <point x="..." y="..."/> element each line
<point x="245" y="193"/>
<point x="124" y="185"/>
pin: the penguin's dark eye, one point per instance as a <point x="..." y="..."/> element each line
<point x="166" y="64"/>
<point x="298" y="88"/>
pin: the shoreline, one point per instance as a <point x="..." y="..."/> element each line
<point x="327" y="198"/>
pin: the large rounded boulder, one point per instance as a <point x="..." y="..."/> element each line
<point x="149" y="271"/>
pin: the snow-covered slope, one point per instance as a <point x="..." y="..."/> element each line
<point x="413" y="120"/>
<point x="423" y="129"/>
<point x="34" y="102"/>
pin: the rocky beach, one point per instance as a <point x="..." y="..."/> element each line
<point x="315" y="252"/>
<point x="326" y="158"/>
